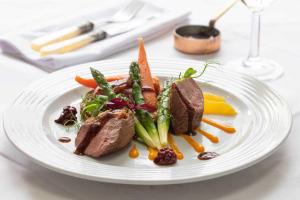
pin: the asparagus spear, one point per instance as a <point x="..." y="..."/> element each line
<point x="142" y="133"/>
<point x="101" y="81"/>
<point x="143" y="115"/>
<point x="107" y="90"/>
<point x="163" y="121"/>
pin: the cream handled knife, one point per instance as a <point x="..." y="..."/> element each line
<point x="83" y="40"/>
<point x="61" y="35"/>
<point x="72" y="44"/>
<point x="124" y="14"/>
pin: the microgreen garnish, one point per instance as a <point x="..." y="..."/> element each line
<point x="191" y="72"/>
<point x="74" y="123"/>
<point x="164" y="115"/>
<point x="93" y="104"/>
<point x="163" y="107"/>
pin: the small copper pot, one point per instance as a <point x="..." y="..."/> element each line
<point x="195" y="39"/>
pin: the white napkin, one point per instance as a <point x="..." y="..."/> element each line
<point x="18" y="44"/>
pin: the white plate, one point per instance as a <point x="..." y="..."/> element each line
<point x="263" y="123"/>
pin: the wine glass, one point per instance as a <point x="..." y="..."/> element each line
<point x="254" y="65"/>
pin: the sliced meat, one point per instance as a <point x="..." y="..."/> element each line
<point x="191" y="94"/>
<point x="84" y="129"/>
<point x="179" y="113"/>
<point x="89" y="129"/>
<point x="107" y="133"/>
<point x="114" y="135"/>
<point x="186" y="106"/>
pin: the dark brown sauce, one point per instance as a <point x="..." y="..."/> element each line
<point x="64" y="139"/>
<point x="119" y="82"/>
<point x="200" y="32"/>
<point x="120" y="85"/>
<point x="192" y="133"/>
<point x="147" y="88"/>
<point x="207" y="155"/>
<point x="92" y="132"/>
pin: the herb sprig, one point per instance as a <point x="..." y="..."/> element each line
<point x="93" y="104"/>
<point x="191" y="72"/>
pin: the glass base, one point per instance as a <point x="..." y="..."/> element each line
<point x="260" y="68"/>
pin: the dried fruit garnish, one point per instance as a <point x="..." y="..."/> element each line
<point x="68" y="116"/>
<point x="117" y="103"/>
<point x="165" y="156"/>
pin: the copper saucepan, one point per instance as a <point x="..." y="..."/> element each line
<point x="199" y="39"/>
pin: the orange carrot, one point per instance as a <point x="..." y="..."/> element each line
<point x="91" y="83"/>
<point x="146" y="78"/>
<point x="88" y="82"/>
<point x="156" y="84"/>
<point x="115" y="77"/>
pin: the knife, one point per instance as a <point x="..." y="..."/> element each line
<point x="61" y="35"/>
<point x="83" y="40"/>
<point x="124" y="14"/>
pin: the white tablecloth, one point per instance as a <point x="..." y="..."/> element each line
<point x="277" y="177"/>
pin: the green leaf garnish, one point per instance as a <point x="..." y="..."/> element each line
<point x="93" y="105"/>
<point x="189" y="73"/>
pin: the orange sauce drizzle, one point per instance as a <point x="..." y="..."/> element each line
<point x="152" y="153"/>
<point x="134" y="152"/>
<point x="197" y="146"/>
<point x="225" y="128"/>
<point x="212" y="138"/>
<point x="178" y="153"/>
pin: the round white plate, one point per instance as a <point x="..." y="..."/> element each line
<point x="263" y="123"/>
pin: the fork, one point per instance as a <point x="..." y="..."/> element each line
<point x="109" y="30"/>
<point x="124" y="14"/>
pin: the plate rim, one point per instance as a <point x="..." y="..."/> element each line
<point x="142" y="181"/>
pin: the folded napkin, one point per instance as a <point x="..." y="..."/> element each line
<point x="18" y="45"/>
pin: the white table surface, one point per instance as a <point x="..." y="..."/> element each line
<point x="277" y="177"/>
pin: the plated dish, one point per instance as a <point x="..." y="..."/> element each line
<point x="123" y="109"/>
<point x="261" y="122"/>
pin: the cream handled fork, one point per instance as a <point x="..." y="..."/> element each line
<point x="126" y="13"/>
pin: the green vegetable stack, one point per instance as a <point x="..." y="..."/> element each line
<point x="143" y="116"/>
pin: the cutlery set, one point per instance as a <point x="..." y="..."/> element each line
<point x="76" y="37"/>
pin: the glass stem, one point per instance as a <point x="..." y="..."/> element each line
<point x="255" y="36"/>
